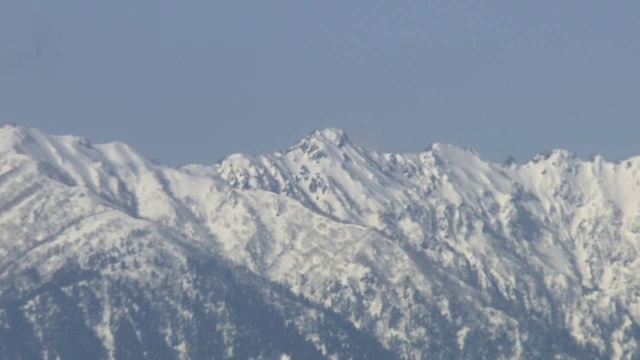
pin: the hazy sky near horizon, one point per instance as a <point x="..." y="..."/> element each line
<point x="193" y="81"/>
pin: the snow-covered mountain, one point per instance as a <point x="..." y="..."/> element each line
<point x="325" y="250"/>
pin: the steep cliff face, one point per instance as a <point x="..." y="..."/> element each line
<point x="323" y="250"/>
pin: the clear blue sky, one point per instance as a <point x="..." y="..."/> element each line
<point x="193" y="81"/>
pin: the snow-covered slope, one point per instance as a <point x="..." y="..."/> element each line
<point x="323" y="250"/>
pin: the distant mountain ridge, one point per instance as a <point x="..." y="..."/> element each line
<point x="323" y="250"/>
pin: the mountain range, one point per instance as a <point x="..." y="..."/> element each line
<point x="324" y="250"/>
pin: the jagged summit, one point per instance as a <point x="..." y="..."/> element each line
<point x="553" y="155"/>
<point x="320" y="142"/>
<point x="330" y="135"/>
<point x="446" y="150"/>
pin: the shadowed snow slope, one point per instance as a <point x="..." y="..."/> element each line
<point x="324" y="250"/>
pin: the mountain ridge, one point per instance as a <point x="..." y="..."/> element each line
<point x="434" y="254"/>
<point x="330" y="135"/>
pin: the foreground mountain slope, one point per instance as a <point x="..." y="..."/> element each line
<point x="322" y="250"/>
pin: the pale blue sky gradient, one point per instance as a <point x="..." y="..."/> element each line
<point x="193" y="81"/>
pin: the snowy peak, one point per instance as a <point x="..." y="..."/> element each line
<point x="553" y="156"/>
<point x="114" y="172"/>
<point x="330" y="143"/>
<point x="65" y="150"/>
<point x="452" y="155"/>
<point x="11" y="135"/>
<point x="444" y="149"/>
<point x="330" y="136"/>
